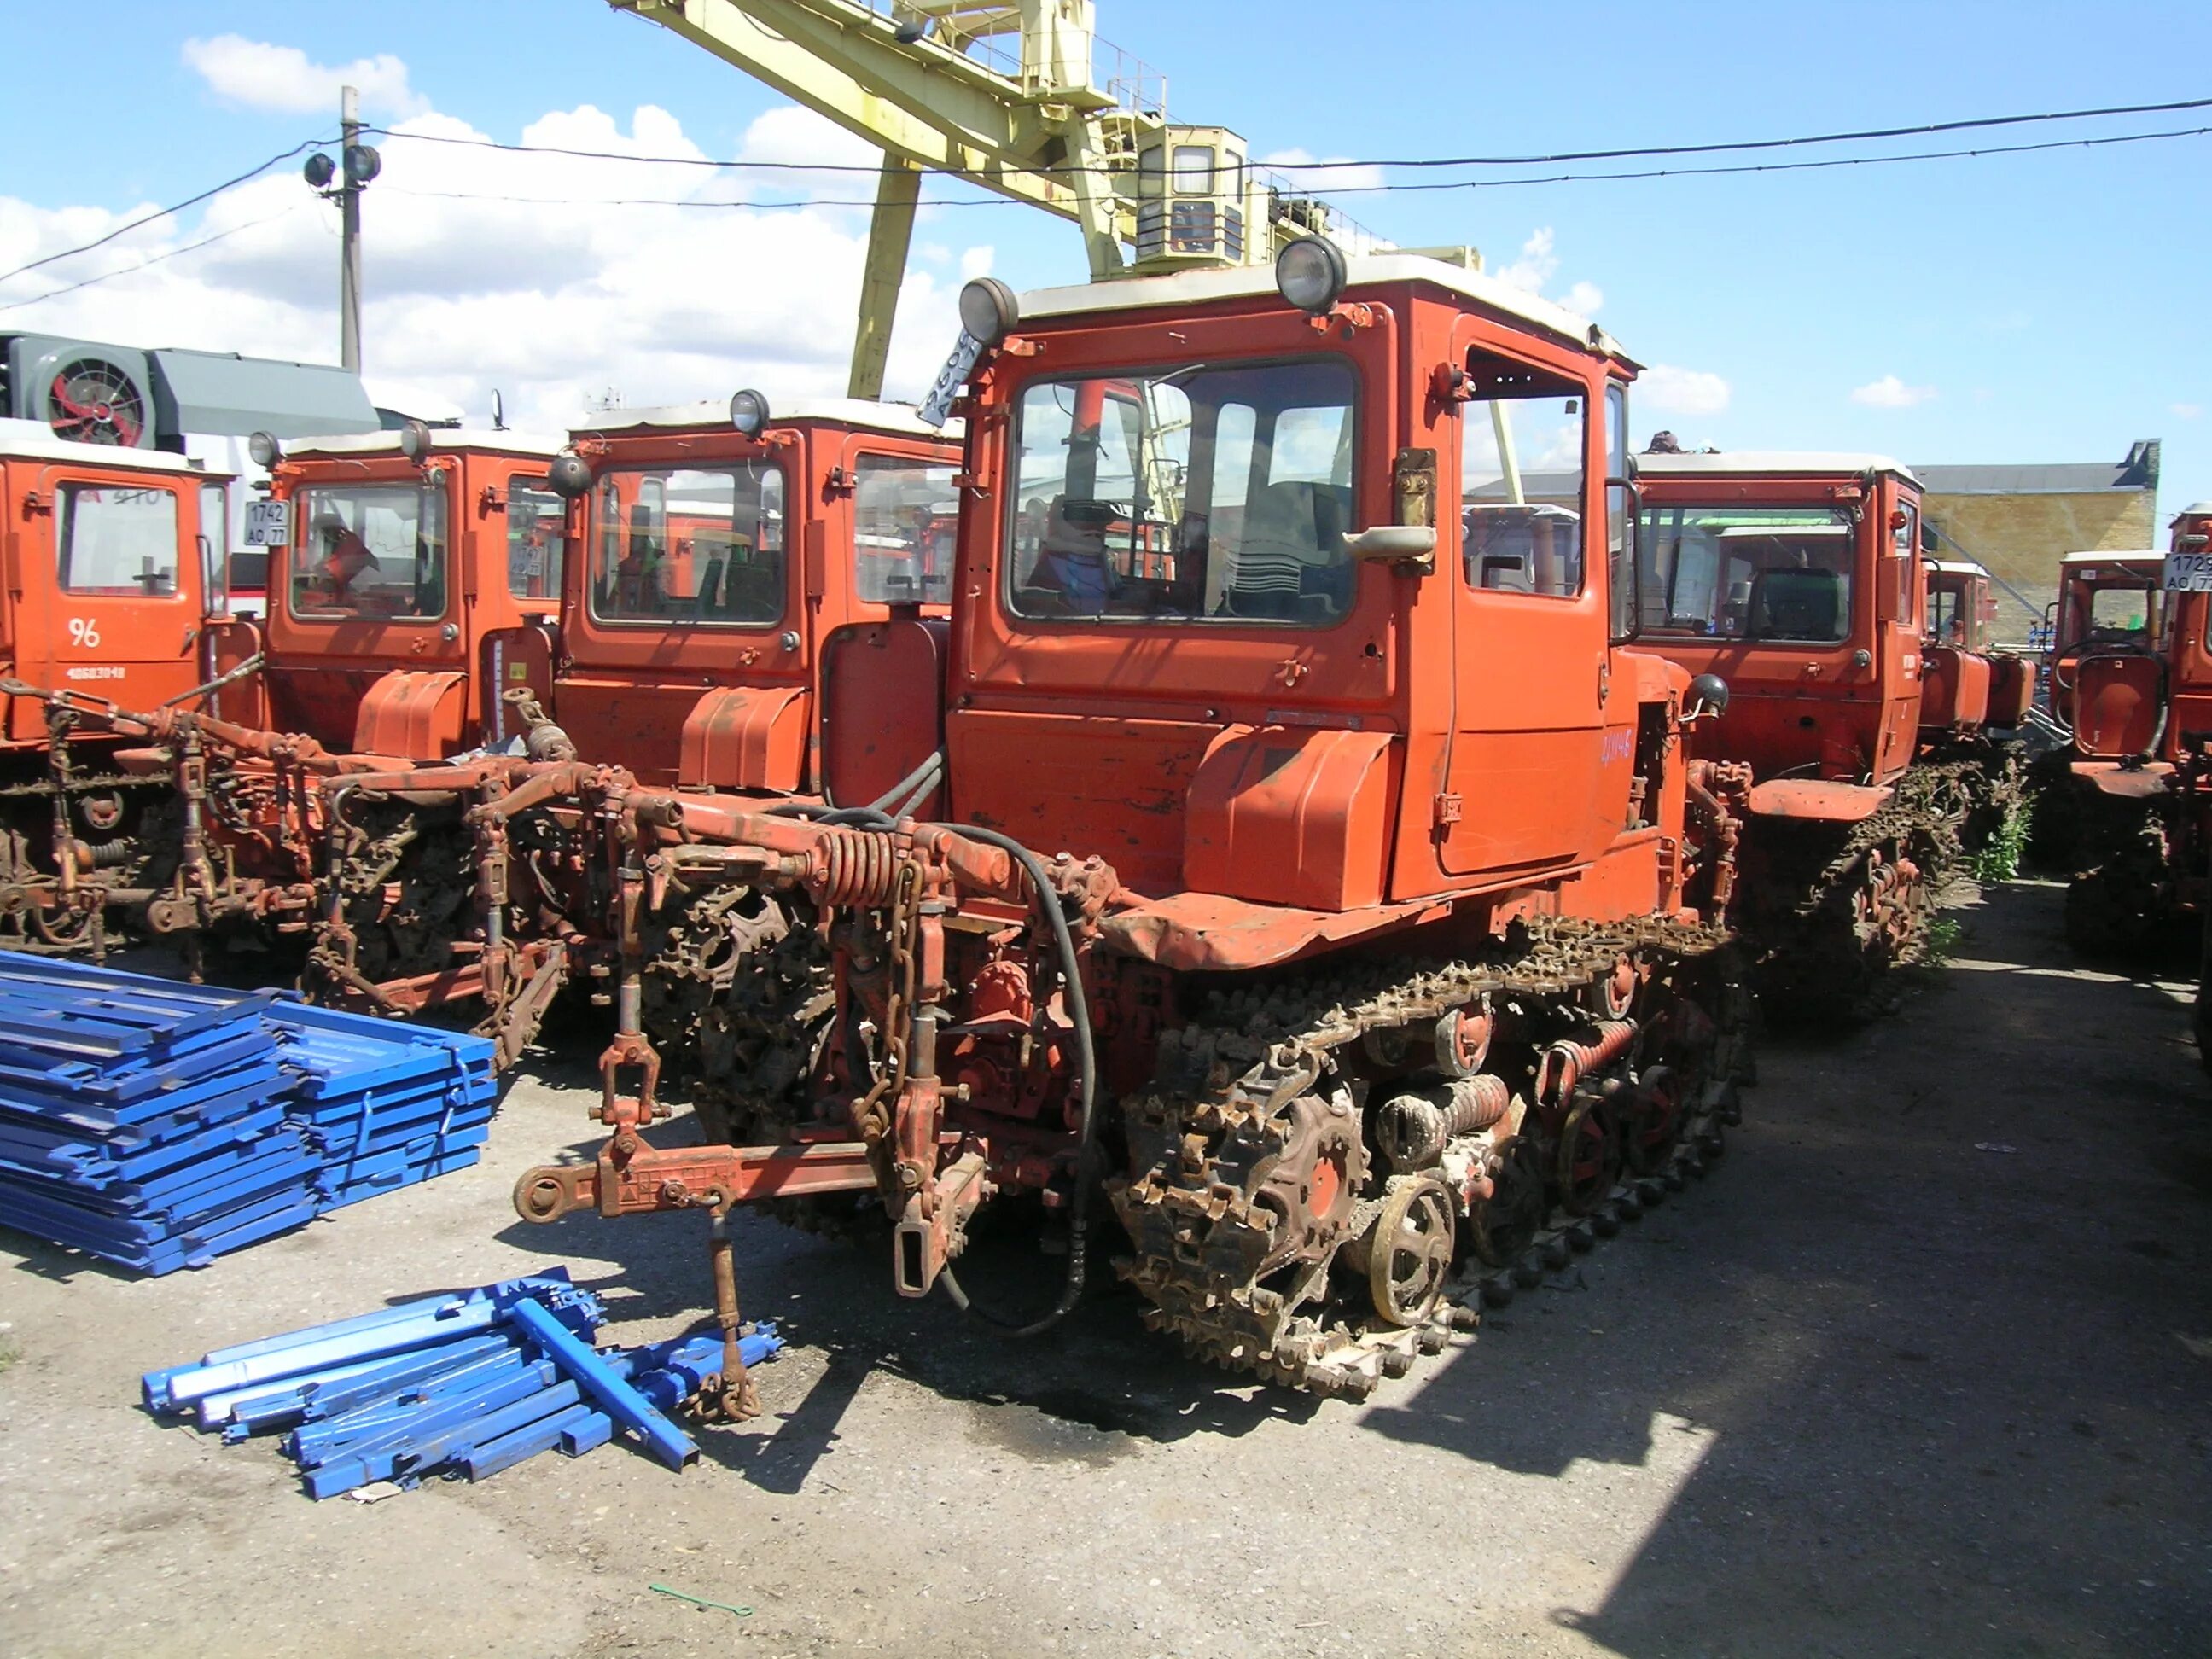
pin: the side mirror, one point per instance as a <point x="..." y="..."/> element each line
<point x="1708" y="699"/>
<point x="1394" y="543"/>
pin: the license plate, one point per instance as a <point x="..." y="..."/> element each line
<point x="937" y="407"/>
<point x="2189" y="573"/>
<point x="268" y="524"/>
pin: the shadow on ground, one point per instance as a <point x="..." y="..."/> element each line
<point x="1939" y="1328"/>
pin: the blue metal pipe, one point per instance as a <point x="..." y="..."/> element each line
<point x="600" y="1380"/>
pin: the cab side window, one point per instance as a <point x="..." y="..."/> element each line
<point x="1904" y="547"/>
<point x="118" y="541"/>
<point x="1520" y="479"/>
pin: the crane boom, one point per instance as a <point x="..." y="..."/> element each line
<point x="1005" y="96"/>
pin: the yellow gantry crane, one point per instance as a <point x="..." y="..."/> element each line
<point x="1010" y="97"/>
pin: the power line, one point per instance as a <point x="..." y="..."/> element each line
<point x="162" y="213"/>
<point x="1865" y="135"/>
<point x="1353" y="190"/>
<point x="1782" y="166"/>
<point x="158" y="258"/>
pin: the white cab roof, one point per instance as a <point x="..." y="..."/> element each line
<point x="897" y="419"/>
<point x="2195" y="510"/>
<point x="447" y="437"/>
<point x="1186" y="288"/>
<point x="36" y="441"/>
<point x="1958" y="566"/>
<point x="2129" y="555"/>
<point x="1770" y="462"/>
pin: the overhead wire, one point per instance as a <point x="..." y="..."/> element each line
<point x="156" y="259"/>
<point x="1544" y="159"/>
<point x="163" y="213"/>
<point x="1350" y="189"/>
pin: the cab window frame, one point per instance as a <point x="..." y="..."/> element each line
<point x="1590" y="423"/>
<point x="1358" y="492"/>
<point x="68" y="517"/>
<point x="599" y="537"/>
<point x="443" y="481"/>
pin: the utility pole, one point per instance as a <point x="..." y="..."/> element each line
<point x="356" y="165"/>
<point x="349" y="237"/>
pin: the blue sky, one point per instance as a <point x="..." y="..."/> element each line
<point x="2052" y="306"/>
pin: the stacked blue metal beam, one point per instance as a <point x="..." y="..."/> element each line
<point x="386" y="1105"/>
<point x="467" y="1383"/>
<point x="159" y="1124"/>
<point x="141" y="1120"/>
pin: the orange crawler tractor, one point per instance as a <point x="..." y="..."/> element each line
<point x="112" y="592"/>
<point x="1317" y="866"/>
<point x="1797" y="579"/>
<point x="2137" y="790"/>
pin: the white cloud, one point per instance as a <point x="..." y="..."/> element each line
<point x="1322" y="174"/>
<point x="1538" y="265"/>
<point x="261" y="76"/>
<point x="2187" y="411"/>
<point x="1890" y="392"/>
<point x="1677" y="390"/>
<point x="555" y="279"/>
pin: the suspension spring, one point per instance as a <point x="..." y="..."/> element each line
<point x="859" y="869"/>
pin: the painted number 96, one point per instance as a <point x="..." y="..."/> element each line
<point x="84" y="631"/>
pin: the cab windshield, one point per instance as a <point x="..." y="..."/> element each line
<point x="702" y="545"/>
<point x="370" y="550"/>
<point x="2121" y="614"/>
<point x="1739" y="572"/>
<point x="1198" y="493"/>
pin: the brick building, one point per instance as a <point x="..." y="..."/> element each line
<point x="2019" y="521"/>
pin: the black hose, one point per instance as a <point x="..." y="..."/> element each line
<point x="1078" y="1009"/>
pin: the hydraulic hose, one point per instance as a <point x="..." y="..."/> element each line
<point x="1086" y="1061"/>
<point x="1086" y="1064"/>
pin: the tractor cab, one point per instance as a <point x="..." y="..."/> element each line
<point x="417" y="576"/>
<point x="737" y="571"/>
<point x="1797" y="578"/>
<point x="1295" y="597"/>
<point x="114" y="574"/>
<point x="1964" y="687"/>
<point x="2109" y="612"/>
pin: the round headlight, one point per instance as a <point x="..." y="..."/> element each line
<point x="988" y="309"/>
<point x="362" y="163"/>
<point x="318" y="170"/>
<point x="265" y="449"/>
<point x="570" y="474"/>
<point x="415" y="441"/>
<point x="1311" y="274"/>
<point x="748" y="412"/>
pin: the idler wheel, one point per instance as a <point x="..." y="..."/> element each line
<point x="1589" y="1163"/>
<point x="1410" y="1250"/>
<point x="1655" y="1124"/>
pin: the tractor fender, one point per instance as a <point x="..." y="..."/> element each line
<point x="413" y="714"/>
<point x="2126" y="782"/>
<point x="1819" y="798"/>
<point x="746" y="737"/>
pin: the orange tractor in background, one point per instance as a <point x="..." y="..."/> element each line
<point x="1966" y="687"/>
<point x="1315" y="863"/>
<point x="732" y="567"/>
<point x="2133" y="793"/>
<point x="113" y="591"/>
<point x="2109" y="611"/>
<point x="414" y="574"/>
<point x="1798" y="579"/>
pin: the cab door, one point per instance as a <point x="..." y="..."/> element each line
<point x="114" y="610"/>
<point x="1531" y="658"/>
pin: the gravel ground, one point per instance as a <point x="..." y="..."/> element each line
<point x="1922" y="1369"/>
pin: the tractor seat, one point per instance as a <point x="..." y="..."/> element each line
<point x="1797" y="605"/>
